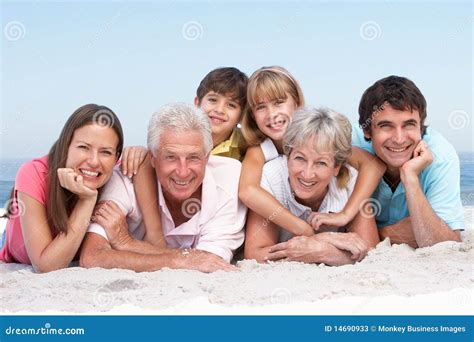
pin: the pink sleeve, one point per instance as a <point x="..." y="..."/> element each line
<point x="31" y="180"/>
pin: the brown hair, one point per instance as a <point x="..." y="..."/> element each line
<point x="225" y="81"/>
<point x="400" y="92"/>
<point x="60" y="202"/>
<point x="271" y="83"/>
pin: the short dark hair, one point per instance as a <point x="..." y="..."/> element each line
<point x="400" y="92"/>
<point x="225" y="81"/>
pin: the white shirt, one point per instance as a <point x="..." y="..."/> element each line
<point x="216" y="227"/>
<point x="275" y="181"/>
<point x="269" y="150"/>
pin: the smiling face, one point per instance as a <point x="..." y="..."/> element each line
<point x="180" y="164"/>
<point x="310" y="173"/>
<point x="394" y="134"/>
<point x="274" y="116"/>
<point x="223" y="112"/>
<point x="92" y="154"/>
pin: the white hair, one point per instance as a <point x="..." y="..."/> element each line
<point x="179" y="117"/>
<point x="332" y="133"/>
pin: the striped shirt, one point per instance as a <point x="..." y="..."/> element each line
<point x="275" y="181"/>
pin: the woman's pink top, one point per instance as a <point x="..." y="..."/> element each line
<point x="30" y="180"/>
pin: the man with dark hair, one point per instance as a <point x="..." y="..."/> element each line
<point x="418" y="200"/>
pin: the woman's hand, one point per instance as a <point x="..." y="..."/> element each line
<point x="132" y="157"/>
<point x="74" y="182"/>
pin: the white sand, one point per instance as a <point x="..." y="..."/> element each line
<point x="390" y="280"/>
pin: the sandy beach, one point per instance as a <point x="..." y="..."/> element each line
<point x="390" y="280"/>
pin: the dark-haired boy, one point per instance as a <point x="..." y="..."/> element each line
<point x="418" y="200"/>
<point x="222" y="96"/>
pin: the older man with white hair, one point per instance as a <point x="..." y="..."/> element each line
<point x="201" y="216"/>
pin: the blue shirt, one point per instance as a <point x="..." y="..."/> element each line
<point x="440" y="182"/>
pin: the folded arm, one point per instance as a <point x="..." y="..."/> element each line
<point x="261" y="201"/>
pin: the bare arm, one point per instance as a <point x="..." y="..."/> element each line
<point x="122" y="251"/>
<point x="371" y="170"/>
<point x="261" y="235"/>
<point x="45" y="252"/>
<point x="310" y="249"/>
<point x="97" y="252"/>
<point x="145" y="187"/>
<point x="428" y="228"/>
<point x="400" y="232"/>
<point x="364" y="226"/>
<point x="262" y="202"/>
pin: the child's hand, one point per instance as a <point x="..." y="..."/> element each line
<point x="317" y="220"/>
<point x="132" y="157"/>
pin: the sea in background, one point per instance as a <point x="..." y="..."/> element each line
<point x="9" y="167"/>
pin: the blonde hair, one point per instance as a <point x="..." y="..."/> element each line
<point x="330" y="131"/>
<point x="269" y="83"/>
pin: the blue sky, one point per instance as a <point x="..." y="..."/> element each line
<point x="137" y="56"/>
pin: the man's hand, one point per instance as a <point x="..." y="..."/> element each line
<point x="300" y="248"/>
<point x="350" y="242"/>
<point x="109" y="215"/>
<point x="337" y="220"/>
<point x="74" y="182"/>
<point x="195" y="259"/>
<point x="422" y="157"/>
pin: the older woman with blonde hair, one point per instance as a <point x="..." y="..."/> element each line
<point x="312" y="177"/>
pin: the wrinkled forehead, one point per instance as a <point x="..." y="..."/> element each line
<point x="181" y="142"/>
<point x="315" y="146"/>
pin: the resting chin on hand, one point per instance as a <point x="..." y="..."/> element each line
<point x="332" y="249"/>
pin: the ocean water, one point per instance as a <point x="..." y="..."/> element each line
<point x="9" y="167"/>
